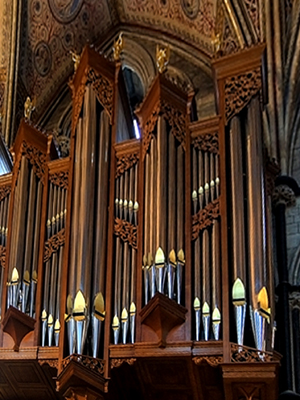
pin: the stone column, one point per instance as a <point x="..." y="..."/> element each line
<point x="283" y="196"/>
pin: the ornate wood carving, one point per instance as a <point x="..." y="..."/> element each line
<point x="243" y="354"/>
<point x="104" y="91"/>
<point x="125" y="162"/>
<point x="53" y="363"/>
<point x="117" y="362"/>
<point x="53" y="244"/>
<point x="148" y="128"/>
<point x="205" y="217"/>
<point x="2" y="256"/>
<point x="60" y="179"/>
<point x="4" y="191"/>
<point x="94" y="364"/>
<point x="252" y="7"/>
<point x="36" y="158"/>
<point x="213" y="361"/>
<point x="239" y="90"/>
<point x="208" y="142"/>
<point x="126" y="231"/>
<point x="177" y="121"/>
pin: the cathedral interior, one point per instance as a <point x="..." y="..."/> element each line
<point x="149" y="199"/>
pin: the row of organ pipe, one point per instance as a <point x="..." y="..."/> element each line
<point x="85" y="307"/>
<point x="53" y="264"/>
<point x="163" y="231"/>
<point x="4" y="208"/>
<point x="25" y="237"/>
<point x="126" y="213"/>
<point x="206" y="246"/>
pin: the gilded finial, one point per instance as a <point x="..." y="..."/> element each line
<point x="29" y="107"/>
<point x="76" y="59"/>
<point x="118" y="47"/>
<point x="162" y="58"/>
<point x="216" y="42"/>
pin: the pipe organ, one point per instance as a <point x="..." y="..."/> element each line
<point x="136" y="255"/>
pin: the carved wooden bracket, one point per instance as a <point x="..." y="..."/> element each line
<point x="162" y="314"/>
<point x="17" y="325"/>
<point x="2" y="256"/>
<point x="82" y="378"/>
<point x="213" y="361"/>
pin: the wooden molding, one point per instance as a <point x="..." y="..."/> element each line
<point x="17" y="325"/>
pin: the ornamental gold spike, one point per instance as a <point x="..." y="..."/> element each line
<point x="76" y="59"/>
<point x="118" y="47"/>
<point x="162" y="58"/>
<point x="29" y="107"/>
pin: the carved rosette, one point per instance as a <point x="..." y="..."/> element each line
<point x="283" y="194"/>
<point x="148" y="128"/>
<point x="205" y="217"/>
<point x="117" y="362"/>
<point x="94" y="364"/>
<point x="213" y="361"/>
<point x="208" y="142"/>
<point x="36" y="158"/>
<point x="2" y="256"/>
<point x="126" y="231"/>
<point x="125" y="162"/>
<point x="4" y="191"/>
<point x="60" y="179"/>
<point x="53" y="244"/>
<point x="239" y="90"/>
<point x="104" y="90"/>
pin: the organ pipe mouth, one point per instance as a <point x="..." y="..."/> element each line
<point x="99" y="310"/>
<point x="115" y="323"/>
<point x="14" y="276"/>
<point x="159" y="258"/>
<point x="172" y="257"/>
<point x="205" y="309"/>
<point x="196" y="304"/>
<point x="263" y="303"/>
<point x="216" y="316"/>
<point x="180" y="256"/>
<point x="80" y="307"/>
<point x="238" y="293"/>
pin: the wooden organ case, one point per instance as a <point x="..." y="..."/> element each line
<point x="119" y="273"/>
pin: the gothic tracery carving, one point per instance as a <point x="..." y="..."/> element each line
<point x="148" y="129"/>
<point x="239" y="90"/>
<point x="4" y="191"/>
<point x="94" y="364"/>
<point x="53" y="363"/>
<point x="104" y="91"/>
<point x="60" y="179"/>
<point x="243" y="354"/>
<point x="177" y="121"/>
<point x="53" y="244"/>
<point x="117" y="362"/>
<point x="205" y="217"/>
<point x="36" y="158"/>
<point x="126" y="231"/>
<point x="125" y="162"/>
<point x="2" y="256"/>
<point x="208" y="142"/>
<point x="213" y="361"/>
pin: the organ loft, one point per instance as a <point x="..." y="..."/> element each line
<point x="143" y="205"/>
